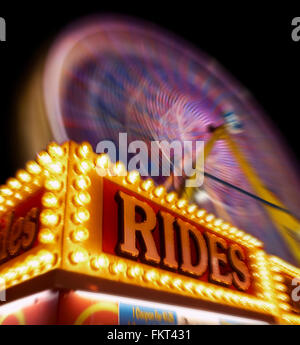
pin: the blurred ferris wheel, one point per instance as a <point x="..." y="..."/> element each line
<point x="110" y="75"/>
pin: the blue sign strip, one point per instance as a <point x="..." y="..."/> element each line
<point x="139" y="315"/>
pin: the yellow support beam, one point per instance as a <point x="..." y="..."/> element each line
<point x="280" y="218"/>
<point x="189" y="191"/>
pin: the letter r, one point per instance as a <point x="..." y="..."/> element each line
<point x="131" y="226"/>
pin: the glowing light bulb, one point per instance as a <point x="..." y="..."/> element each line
<point x="6" y="191"/>
<point x="284" y="306"/>
<point x="135" y="271"/>
<point x="177" y="283"/>
<point x="147" y="185"/>
<point x="200" y="289"/>
<point x="44" y="158"/>
<point x="133" y="177"/>
<point x="192" y="208"/>
<point x="181" y="203"/>
<point x="84" y="167"/>
<point x="103" y="161"/>
<point x="165" y="279"/>
<point x="119" y="169"/>
<point x="201" y="213"/>
<point x="151" y="276"/>
<point x="14" y="183"/>
<point x="56" y="167"/>
<point x="32" y="263"/>
<point x="33" y="168"/>
<point x="119" y="267"/>
<point x="46" y="236"/>
<point x="209" y="218"/>
<point x="10" y="275"/>
<point x="171" y="197"/>
<point x="99" y="262"/>
<point x="233" y="230"/>
<point x="49" y="218"/>
<point x="53" y="184"/>
<point x="21" y="270"/>
<point x="225" y="226"/>
<point x="280" y="287"/>
<point x="239" y="234"/>
<point x="81" y="215"/>
<point x="82" y="182"/>
<point x="80" y="234"/>
<point x="218" y="222"/>
<point x="80" y="255"/>
<point x="55" y="150"/>
<point x="82" y="198"/>
<point x="283" y="297"/>
<point x="189" y="286"/>
<point x="159" y="191"/>
<point x="49" y="200"/>
<point x="46" y="258"/>
<point x="27" y="189"/>
<point x="10" y="203"/>
<point x="84" y="150"/>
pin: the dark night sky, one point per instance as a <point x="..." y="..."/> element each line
<point x="252" y="43"/>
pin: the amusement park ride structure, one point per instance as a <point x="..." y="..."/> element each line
<point x="62" y="223"/>
<point x="281" y="217"/>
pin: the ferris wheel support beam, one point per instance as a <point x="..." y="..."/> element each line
<point x="209" y="145"/>
<point x="281" y="219"/>
<point x="217" y="134"/>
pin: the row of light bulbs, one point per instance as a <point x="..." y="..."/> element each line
<point x="170" y="200"/>
<point x="53" y="165"/>
<point x="278" y="267"/>
<point x="81" y="200"/>
<point x="18" y="188"/>
<point x="128" y="271"/>
<point x="34" y="265"/>
<point x="28" y="180"/>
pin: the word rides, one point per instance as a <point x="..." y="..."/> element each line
<point x="184" y="247"/>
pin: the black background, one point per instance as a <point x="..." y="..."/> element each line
<point x="251" y="42"/>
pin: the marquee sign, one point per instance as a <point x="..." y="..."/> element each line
<point x="149" y="233"/>
<point x="75" y="211"/>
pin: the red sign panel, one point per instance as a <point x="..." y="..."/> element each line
<point x="141" y="230"/>
<point x="19" y="228"/>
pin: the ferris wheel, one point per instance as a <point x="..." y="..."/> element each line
<point x="110" y="75"/>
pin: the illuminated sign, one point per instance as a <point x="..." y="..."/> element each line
<point x="75" y="212"/>
<point x="154" y="235"/>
